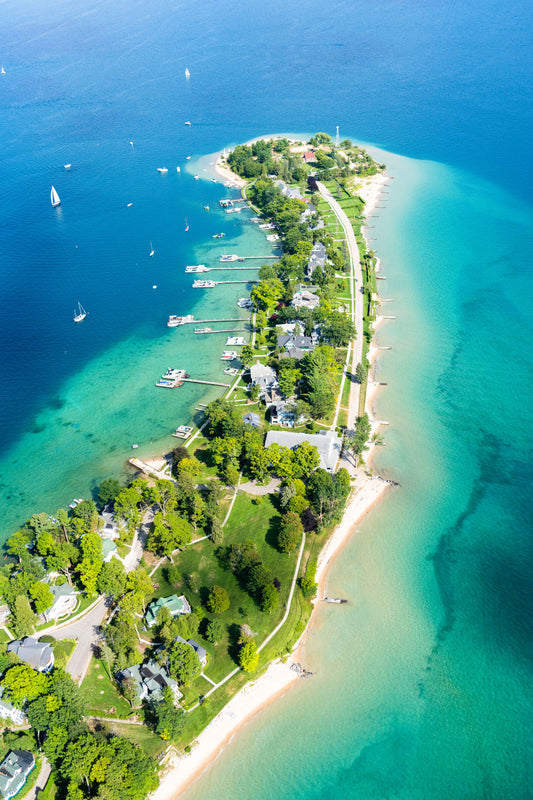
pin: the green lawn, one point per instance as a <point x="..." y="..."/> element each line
<point x="101" y="696"/>
<point x="149" y="741"/>
<point x="248" y="521"/>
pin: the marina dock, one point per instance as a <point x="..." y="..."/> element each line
<point x="207" y="383"/>
<point x="222" y="330"/>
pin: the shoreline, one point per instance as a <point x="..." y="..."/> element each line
<point x="181" y="771"/>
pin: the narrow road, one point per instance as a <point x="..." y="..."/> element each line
<point x="357" y="303"/>
<point x="85" y="630"/>
<point x="42" y="779"/>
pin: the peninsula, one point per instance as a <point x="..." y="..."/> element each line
<point x="139" y="631"/>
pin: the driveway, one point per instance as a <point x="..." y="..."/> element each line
<point x="85" y="630"/>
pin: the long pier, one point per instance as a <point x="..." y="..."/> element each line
<point x="222" y="330"/>
<point x="208" y="383"/>
<point x="210" y="269"/>
<point x="219" y="282"/>
<point x="201" y="321"/>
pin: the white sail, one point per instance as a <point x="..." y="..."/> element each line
<point x="54" y="198"/>
<point x="187" y="73"/>
<point x="80" y="314"/>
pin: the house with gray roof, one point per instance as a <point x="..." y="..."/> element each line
<point x="200" y="651"/>
<point x="38" y="655"/>
<point x="305" y="299"/>
<point x="65" y="599"/>
<point x="317" y="258"/>
<point x="297" y="346"/>
<point x="8" y="710"/>
<point x="328" y="444"/>
<point x="292" y="192"/>
<point x="263" y="376"/>
<point x="174" y="604"/>
<point x="252" y="419"/>
<point x="111" y="528"/>
<point x="14" y="770"/>
<point x="150" y="680"/>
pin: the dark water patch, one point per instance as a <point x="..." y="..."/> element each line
<point x="38" y="428"/>
<point x="380" y="770"/>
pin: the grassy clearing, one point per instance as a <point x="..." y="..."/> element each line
<point x="149" y="741"/>
<point x="101" y="696"/>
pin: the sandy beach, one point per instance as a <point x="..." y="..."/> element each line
<point x="180" y="771"/>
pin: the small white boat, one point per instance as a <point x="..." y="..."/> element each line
<point x="178" y="169"/>
<point x="228" y="355"/>
<point x="187" y="73"/>
<point x="2" y="71"/>
<point x="152" y="251"/>
<point x="134" y="446"/>
<point x="186" y="225"/>
<point x="206" y="208"/>
<point x="203" y="284"/>
<point x="154" y="286"/>
<point x="196" y="268"/>
<point x="129" y="205"/>
<point x="80" y="314"/>
<point x="162" y="170"/>
<point x="229" y="258"/>
<point x="131" y="144"/>
<point x="236" y="340"/>
<point x="174" y="321"/>
<point x="54" y="198"/>
<point x="196" y="177"/>
<point x="189" y="158"/>
<point x="188" y="123"/>
<point x="68" y="166"/>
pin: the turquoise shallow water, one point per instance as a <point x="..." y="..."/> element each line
<point x="422" y="684"/>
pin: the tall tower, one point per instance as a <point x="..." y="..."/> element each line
<point x="337" y="140"/>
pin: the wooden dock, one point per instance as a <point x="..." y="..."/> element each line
<point x="251" y="281"/>
<point x="221" y="330"/>
<point x="207" y="383"/>
<point x="201" y="321"/>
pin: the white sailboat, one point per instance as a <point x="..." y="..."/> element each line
<point x="80" y="314"/>
<point x="3" y="72"/>
<point x="54" y="198"/>
<point x="152" y="251"/>
<point x="187" y="73"/>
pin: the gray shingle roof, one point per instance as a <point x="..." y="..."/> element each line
<point x="38" y="655"/>
<point x="328" y="444"/>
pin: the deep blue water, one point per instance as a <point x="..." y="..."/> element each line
<point x="423" y="686"/>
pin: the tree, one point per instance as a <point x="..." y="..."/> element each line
<point x="108" y="490"/>
<point x="184" y="664"/>
<point x="217" y="531"/>
<point x="268" y="293"/>
<point x="92" y="561"/>
<point x="338" y="329"/>
<point x="269" y="599"/>
<point x="298" y="504"/>
<point x="112" y="578"/>
<point x="307" y="583"/>
<point x="169" y="721"/>
<point x="248" y="655"/>
<point x="358" y="442"/>
<point x="287" y="380"/>
<point x="174" y="576"/>
<point x="140" y="583"/>
<point x="290" y="532"/>
<point x="19" y="543"/>
<point x="168" y="533"/>
<point x="218" y="600"/>
<point x="86" y="512"/>
<point x="129" y="690"/>
<point x="247" y="355"/>
<point x="22" y="684"/>
<point x="42" y="596"/>
<point x="306" y="458"/>
<point x="360" y="373"/>
<point x="215" y="630"/>
<point x="22" y="617"/>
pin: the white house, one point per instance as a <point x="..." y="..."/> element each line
<point x="305" y="299"/>
<point x="65" y="599"/>
<point x="8" y="710"/>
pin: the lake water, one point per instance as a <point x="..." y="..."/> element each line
<point x="422" y="685"/>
